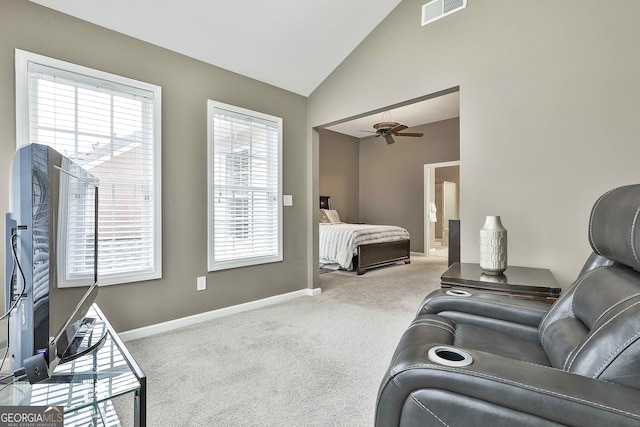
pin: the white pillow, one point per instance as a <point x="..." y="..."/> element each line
<point x="332" y="215"/>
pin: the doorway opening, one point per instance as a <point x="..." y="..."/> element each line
<point x="442" y="203"/>
<point x="349" y="161"/>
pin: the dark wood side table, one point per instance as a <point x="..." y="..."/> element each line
<point x="521" y="282"/>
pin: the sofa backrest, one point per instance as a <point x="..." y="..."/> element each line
<point x="594" y="328"/>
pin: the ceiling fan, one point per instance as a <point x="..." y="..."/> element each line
<point x="390" y="129"/>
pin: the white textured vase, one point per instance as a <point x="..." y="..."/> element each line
<point x="493" y="246"/>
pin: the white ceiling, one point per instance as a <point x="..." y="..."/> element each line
<point x="419" y="113"/>
<point x="291" y="44"/>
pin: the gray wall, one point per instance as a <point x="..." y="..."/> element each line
<point x="549" y="111"/>
<point x="339" y="173"/>
<point x="392" y="176"/>
<point x="186" y="86"/>
<point x="448" y="173"/>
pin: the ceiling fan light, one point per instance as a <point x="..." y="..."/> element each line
<point x="385" y="125"/>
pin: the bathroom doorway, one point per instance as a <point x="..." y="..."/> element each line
<point x="442" y="203"/>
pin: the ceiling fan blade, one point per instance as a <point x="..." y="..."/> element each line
<point x="409" y="134"/>
<point x="399" y="128"/>
<point x="389" y="139"/>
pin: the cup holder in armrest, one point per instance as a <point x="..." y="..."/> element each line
<point x="449" y="356"/>
<point x="458" y="293"/>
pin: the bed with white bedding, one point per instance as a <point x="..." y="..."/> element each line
<point x="360" y="247"/>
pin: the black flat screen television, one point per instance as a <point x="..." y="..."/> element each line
<point x="51" y="253"/>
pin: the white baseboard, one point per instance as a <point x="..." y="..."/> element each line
<point x="146" y="331"/>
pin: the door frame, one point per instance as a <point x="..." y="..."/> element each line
<point x="427" y="198"/>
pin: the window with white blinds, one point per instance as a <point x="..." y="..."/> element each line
<point x="109" y="125"/>
<point x="245" y="181"/>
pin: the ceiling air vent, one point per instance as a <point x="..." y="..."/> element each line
<point x="437" y="9"/>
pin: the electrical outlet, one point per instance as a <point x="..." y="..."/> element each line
<point x="201" y="283"/>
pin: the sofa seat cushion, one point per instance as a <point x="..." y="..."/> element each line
<point x="476" y="338"/>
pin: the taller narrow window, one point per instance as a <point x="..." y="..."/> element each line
<point x="109" y="125"/>
<point x="245" y="181"/>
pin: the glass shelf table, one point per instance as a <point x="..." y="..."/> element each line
<point x="86" y="386"/>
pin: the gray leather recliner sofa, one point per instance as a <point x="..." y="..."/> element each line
<point x="488" y="360"/>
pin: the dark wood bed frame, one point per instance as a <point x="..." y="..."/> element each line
<point x="376" y="254"/>
<point x="379" y="254"/>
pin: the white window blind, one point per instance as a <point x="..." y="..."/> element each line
<point x="245" y="224"/>
<point x="109" y="125"/>
<point x="76" y="226"/>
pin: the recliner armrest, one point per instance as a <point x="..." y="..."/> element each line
<point x="512" y="316"/>
<point x="515" y="310"/>
<point x="496" y="390"/>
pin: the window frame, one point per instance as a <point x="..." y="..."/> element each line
<point x="22" y="60"/>
<point x="212" y="107"/>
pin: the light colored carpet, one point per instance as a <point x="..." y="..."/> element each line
<point x="313" y="361"/>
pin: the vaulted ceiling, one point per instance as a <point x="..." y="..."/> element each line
<point x="291" y="44"/>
